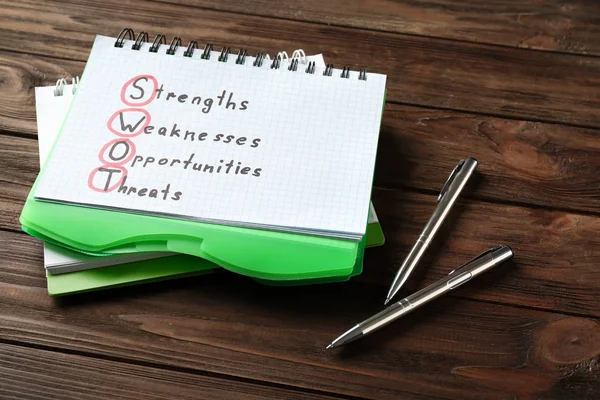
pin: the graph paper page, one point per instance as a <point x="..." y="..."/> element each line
<point x="218" y="141"/>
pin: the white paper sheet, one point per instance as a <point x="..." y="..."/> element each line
<point x="306" y="164"/>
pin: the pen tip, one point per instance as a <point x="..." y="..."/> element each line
<point x="385" y="303"/>
<point x="328" y="347"/>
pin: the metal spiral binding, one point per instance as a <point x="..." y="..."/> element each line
<point x="175" y="43"/>
<point x="121" y="38"/>
<point x="241" y="58"/>
<point x="190" y="50"/>
<point x="158" y="40"/>
<point x="224" y="54"/>
<point x="206" y="54"/>
<point x="258" y="60"/>
<point x="298" y="57"/>
<point x="362" y="75"/>
<point x="59" y="89"/>
<point x="293" y="65"/>
<point x="142" y="37"/>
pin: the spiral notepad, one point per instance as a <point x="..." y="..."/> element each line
<point x="210" y="136"/>
<point x="52" y="104"/>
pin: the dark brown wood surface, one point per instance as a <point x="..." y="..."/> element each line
<point x="422" y="71"/>
<point x="562" y="25"/>
<point x="513" y="84"/>
<point x="49" y="373"/>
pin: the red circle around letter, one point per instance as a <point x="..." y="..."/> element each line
<point x="132" y="134"/>
<point x="129" y="82"/>
<point x="110" y="144"/>
<point x="110" y="188"/>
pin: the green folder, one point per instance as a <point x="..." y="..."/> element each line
<point x="159" y="269"/>
<point x="256" y="253"/>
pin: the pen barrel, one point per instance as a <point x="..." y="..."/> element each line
<point x="386" y="316"/>
<point x="502" y="254"/>
<point x="411" y="260"/>
<point x="485" y="262"/>
<point x="447" y="200"/>
<point x="455" y="279"/>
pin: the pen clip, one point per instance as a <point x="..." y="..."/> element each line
<point x="476" y="258"/>
<point x="450" y="179"/>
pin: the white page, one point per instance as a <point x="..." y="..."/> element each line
<point x="318" y="139"/>
<point x="51" y="111"/>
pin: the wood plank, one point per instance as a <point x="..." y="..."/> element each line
<point x="457" y="349"/>
<point x="556" y="252"/>
<point x="27" y="373"/>
<point x="225" y="324"/>
<point x="519" y="161"/>
<point x="19" y="166"/>
<point x="559" y="25"/>
<point x="19" y="75"/>
<point x="422" y="71"/>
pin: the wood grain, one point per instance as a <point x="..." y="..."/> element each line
<point x="530" y="329"/>
<point x="527" y="162"/>
<point x="567" y="26"/>
<point x="19" y="75"/>
<point x="19" y="166"/>
<point x="27" y="374"/>
<point x="519" y="161"/>
<point x="224" y="324"/>
<point x="421" y="71"/>
<point x="539" y="278"/>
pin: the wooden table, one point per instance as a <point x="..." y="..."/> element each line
<point x="514" y="84"/>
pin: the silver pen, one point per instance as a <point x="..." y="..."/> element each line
<point x="476" y="266"/>
<point x="446" y="199"/>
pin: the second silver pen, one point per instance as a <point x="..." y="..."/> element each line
<point x="446" y="199"/>
<point x="459" y="276"/>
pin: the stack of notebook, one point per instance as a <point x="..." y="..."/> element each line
<point x="170" y="161"/>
